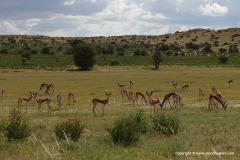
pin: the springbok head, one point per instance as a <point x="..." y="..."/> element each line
<point x="108" y="94"/>
<point x="225" y="104"/>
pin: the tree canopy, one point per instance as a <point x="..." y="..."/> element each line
<point x="84" y="56"/>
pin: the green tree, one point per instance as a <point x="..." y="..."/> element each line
<point x="74" y="43"/>
<point x="207" y="48"/>
<point x="45" y="50"/>
<point x="192" y="46"/>
<point x="120" y="51"/>
<point x="139" y="52"/>
<point x="84" y="56"/>
<point x="223" y="59"/>
<point x="136" y="52"/>
<point x="157" y="58"/>
<point x="26" y="57"/>
<point x="233" y="49"/>
<point x="222" y="50"/>
<point x="4" y="51"/>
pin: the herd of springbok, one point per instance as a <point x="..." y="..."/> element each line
<point x="172" y="99"/>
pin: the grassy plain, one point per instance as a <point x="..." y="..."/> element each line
<point x="201" y="131"/>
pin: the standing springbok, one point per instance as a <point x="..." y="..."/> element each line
<point x="174" y="83"/>
<point x="22" y="100"/>
<point x="3" y="94"/>
<point x="230" y="82"/>
<point x="200" y="94"/>
<point x="124" y="94"/>
<point x="131" y="84"/>
<point x="95" y="101"/>
<point x="132" y="98"/>
<point x="71" y="97"/>
<point x="153" y="102"/>
<point x="59" y="101"/>
<point x="40" y="101"/>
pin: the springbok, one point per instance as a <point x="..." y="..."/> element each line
<point x="214" y="101"/>
<point x="153" y="102"/>
<point x="40" y="101"/>
<point x="22" y="100"/>
<point x="95" y="101"/>
<point x="230" y="82"/>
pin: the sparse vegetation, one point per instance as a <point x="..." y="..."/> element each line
<point x="119" y="45"/>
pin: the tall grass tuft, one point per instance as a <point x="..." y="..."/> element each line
<point x="17" y="128"/>
<point x="127" y="131"/>
<point x="174" y="145"/>
<point x="166" y="124"/>
<point x="71" y="129"/>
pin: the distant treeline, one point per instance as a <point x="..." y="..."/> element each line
<point x="65" y="62"/>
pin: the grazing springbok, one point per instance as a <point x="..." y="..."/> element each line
<point x="121" y="86"/>
<point x="176" y="99"/>
<point x="47" y="86"/>
<point x="95" y="101"/>
<point x="185" y="86"/>
<point x="214" y="101"/>
<point x="139" y="94"/>
<point x="214" y="92"/>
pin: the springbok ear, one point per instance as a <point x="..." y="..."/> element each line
<point x="148" y="93"/>
<point x="108" y="93"/>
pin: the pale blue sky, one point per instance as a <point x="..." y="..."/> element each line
<point x="80" y="18"/>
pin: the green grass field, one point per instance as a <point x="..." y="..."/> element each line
<point x="200" y="131"/>
<point x="65" y="62"/>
